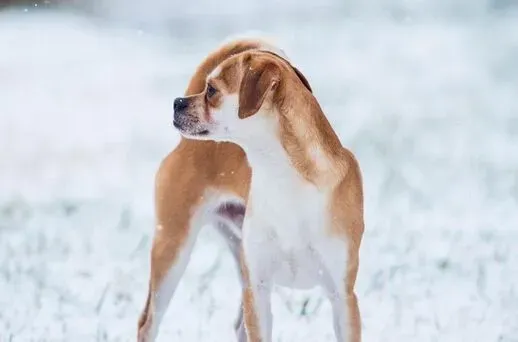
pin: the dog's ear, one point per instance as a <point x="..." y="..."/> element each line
<point x="257" y="82"/>
<point x="302" y="78"/>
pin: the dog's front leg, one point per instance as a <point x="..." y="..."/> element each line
<point x="234" y="243"/>
<point x="346" y="315"/>
<point x="338" y="282"/>
<point x="257" y="310"/>
<point x="256" y="265"/>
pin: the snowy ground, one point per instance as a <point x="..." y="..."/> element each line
<point x="428" y="103"/>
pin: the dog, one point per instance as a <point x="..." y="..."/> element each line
<point x="304" y="221"/>
<point x="198" y="183"/>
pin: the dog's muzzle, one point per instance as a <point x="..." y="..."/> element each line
<point x="185" y="122"/>
<point x="179" y="106"/>
<point x="181" y="119"/>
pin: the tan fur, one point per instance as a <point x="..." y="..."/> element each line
<point x="347" y="207"/>
<point x="312" y="145"/>
<point x="250" y="313"/>
<point x="256" y="84"/>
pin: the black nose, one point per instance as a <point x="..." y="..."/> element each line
<point x="179" y="104"/>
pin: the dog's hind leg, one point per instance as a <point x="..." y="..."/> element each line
<point x="231" y="216"/>
<point x="234" y="243"/>
<point x="168" y="261"/>
<point x="179" y="216"/>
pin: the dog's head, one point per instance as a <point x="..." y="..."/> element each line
<point x="242" y="88"/>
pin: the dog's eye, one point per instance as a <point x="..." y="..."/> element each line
<point x="211" y="91"/>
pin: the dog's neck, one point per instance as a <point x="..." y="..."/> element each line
<point x="309" y="140"/>
<point x="301" y="139"/>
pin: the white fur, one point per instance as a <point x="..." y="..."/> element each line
<point x="289" y="217"/>
<point x="225" y="124"/>
<point x="265" y="46"/>
<point x="214" y="73"/>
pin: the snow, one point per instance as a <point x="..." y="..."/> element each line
<point x="423" y="93"/>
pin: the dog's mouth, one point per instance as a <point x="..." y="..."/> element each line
<point x="203" y="132"/>
<point x="187" y="131"/>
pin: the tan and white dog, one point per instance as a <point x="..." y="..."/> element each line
<point x="303" y="222"/>
<point x="198" y="183"/>
<point x="306" y="217"/>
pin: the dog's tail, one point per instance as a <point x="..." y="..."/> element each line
<point x="262" y="41"/>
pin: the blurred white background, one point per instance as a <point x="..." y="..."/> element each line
<point x="424" y="92"/>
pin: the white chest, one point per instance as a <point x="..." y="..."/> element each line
<point x="287" y="223"/>
<point x="289" y="226"/>
<point x="294" y="213"/>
